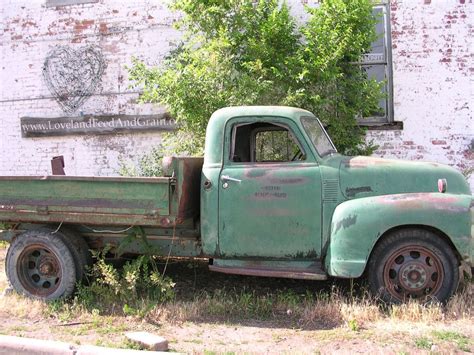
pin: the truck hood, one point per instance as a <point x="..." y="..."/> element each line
<point x="368" y="176"/>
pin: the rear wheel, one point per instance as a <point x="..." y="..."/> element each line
<point x="413" y="264"/>
<point x="80" y="251"/>
<point x="40" y="265"/>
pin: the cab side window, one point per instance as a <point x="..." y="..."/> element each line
<point x="264" y="142"/>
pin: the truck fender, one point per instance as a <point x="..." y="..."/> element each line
<point x="357" y="225"/>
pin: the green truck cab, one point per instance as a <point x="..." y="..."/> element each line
<point x="272" y="197"/>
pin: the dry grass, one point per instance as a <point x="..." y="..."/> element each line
<point x="14" y="305"/>
<point x="351" y="307"/>
<point x="324" y="311"/>
<point x="330" y="314"/>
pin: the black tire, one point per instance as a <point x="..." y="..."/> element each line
<point x="80" y="250"/>
<point x="41" y="265"/>
<point x="413" y="264"/>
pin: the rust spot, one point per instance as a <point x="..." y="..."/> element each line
<point x="352" y="191"/>
<point x="165" y="222"/>
<point x="364" y="162"/>
<point x="311" y="273"/>
<point x="423" y="200"/>
<point x="92" y="203"/>
<point x="103" y="28"/>
<point x="189" y="190"/>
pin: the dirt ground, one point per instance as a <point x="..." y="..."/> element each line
<point x="208" y="335"/>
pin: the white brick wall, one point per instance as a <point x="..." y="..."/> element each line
<point x="432" y="64"/>
<point x="29" y="31"/>
<point x="433" y="95"/>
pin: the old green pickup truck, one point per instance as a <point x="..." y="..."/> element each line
<point x="272" y="197"/>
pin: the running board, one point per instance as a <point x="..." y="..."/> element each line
<point x="283" y="269"/>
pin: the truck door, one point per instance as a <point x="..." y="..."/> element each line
<point x="269" y="192"/>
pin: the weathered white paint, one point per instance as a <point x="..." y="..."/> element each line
<point x="433" y="95"/>
<point x="432" y="65"/>
<point x="28" y="31"/>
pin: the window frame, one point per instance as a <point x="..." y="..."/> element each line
<point x="234" y="123"/>
<point x="55" y="3"/>
<point x="388" y="70"/>
<point x="304" y="117"/>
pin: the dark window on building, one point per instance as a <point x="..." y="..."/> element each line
<point x="378" y="65"/>
<point x="52" y="3"/>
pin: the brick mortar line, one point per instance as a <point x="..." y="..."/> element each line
<point x="54" y="98"/>
<point x="56" y="37"/>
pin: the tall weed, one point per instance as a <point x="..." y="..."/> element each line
<point x="136" y="286"/>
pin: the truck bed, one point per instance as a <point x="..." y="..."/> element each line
<point x="156" y="201"/>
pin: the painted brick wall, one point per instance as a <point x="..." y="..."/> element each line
<point x="432" y="70"/>
<point x="29" y="30"/>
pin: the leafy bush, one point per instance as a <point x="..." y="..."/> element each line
<point x="181" y="143"/>
<point x="247" y="52"/>
<point x="138" y="281"/>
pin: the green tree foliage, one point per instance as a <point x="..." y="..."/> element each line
<point x="247" y="52"/>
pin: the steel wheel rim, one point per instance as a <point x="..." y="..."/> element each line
<point x="413" y="272"/>
<point x="39" y="270"/>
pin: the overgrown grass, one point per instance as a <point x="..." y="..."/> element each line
<point x="113" y="295"/>
<point x="460" y="340"/>
<point x="423" y="343"/>
<point x="138" y="292"/>
<point x="311" y="311"/>
<point x="437" y="337"/>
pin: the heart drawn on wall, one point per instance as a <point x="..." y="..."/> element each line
<point x="73" y="75"/>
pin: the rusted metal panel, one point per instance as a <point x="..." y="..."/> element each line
<point x="288" y="274"/>
<point x="271" y="268"/>
<point x="57" y="165"/>
<point x="85" y="200"/>
<point x="160" y="245"/>
<point x="188" y="186"/>
<point x="92" y="218"/>
<point x="87" y="178"/>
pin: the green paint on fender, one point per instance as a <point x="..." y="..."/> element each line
<point x="358" y="224"/>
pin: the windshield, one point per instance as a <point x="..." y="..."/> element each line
<point x="318" y="135"/>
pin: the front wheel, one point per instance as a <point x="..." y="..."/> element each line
<point x="413" y="264"/>
<point x="40" y="265"/>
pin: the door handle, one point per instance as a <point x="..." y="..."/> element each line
<point x="225" y="178"/>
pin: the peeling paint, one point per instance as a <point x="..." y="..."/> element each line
<point x="352" y="191"/>
<point x="346" y="223"/>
